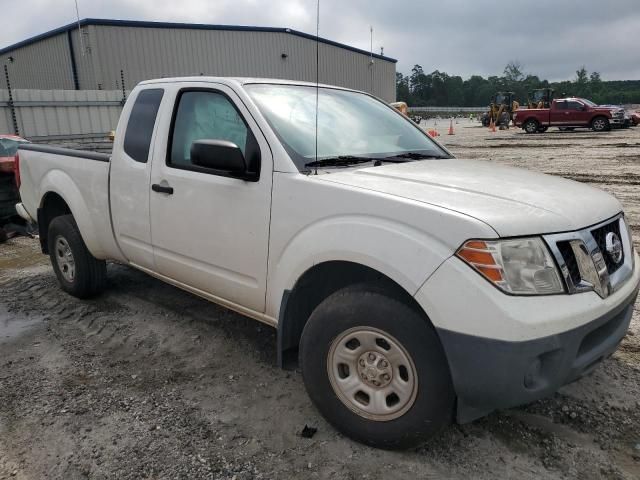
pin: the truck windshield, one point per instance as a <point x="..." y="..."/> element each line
<point x="350" y="124"/>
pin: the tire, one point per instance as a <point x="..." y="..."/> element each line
<point x="79" y="273"/>
<point x="531" y="126"/>
<point x="600" y="124"/>
<point x="542" y="129"/>
<point x="383" y="324"/>
<point x="3" y="235"/>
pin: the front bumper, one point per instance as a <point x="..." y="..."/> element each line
<point x="507" y="350"/>
<point x="491" y="374"/>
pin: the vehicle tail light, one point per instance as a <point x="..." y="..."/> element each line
<point x="16" y="170"/>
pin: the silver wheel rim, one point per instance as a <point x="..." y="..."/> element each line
<point x="598" y="124"/>
<point x="64" y="259"/>
<point x="372" y="373"/>
<point x="531" y="127"/>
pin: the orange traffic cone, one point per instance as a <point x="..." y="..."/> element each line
<point x="451" y="127"/>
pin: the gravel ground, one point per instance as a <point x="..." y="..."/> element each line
<point x="150" y="382"/>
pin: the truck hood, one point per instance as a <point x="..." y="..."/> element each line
<point x="513" y="201"/>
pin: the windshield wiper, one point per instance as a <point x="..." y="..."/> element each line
<point x="416" y="156"/>
<point x="340" y="161"/>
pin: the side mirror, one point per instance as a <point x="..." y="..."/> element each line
<point x="219" y="155"/>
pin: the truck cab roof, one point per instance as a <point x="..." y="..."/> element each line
<point x="239" y="81"/>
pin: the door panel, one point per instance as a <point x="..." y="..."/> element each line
<point x="560" y="115"/>
<point x="579" y="115"/>
<point x="130" y="175"/>
<point x="212" y="231"/>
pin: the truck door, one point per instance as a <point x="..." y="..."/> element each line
<point x="211" y="231"/>
<point x="130" y="175"/>
<point x="558" y="114"/>
<point x="578" y="112"/>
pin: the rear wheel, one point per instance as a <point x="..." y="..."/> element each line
<point x="79" y="273"/>
<point x="531" y="126"/>
<point x="375" y="368"/>
<point x="600" y="124"/>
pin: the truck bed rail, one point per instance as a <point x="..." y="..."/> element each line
<point x="69" y="152"/>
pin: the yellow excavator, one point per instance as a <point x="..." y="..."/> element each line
<point x="540" y="98"/>
<point x="501" y="109"/>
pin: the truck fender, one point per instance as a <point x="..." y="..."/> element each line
<point x="60" y="183"/>
<point x="404" y="254"/>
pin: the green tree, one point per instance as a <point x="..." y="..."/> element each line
<point x="441" y="89"/>
<point x="402" y="88"/>
<point x="513" y="72"/>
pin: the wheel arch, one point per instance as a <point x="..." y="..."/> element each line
<point x="315" y="285"/>
<point x="529" y="118"/>
<point x="52" y="205"/>
<point x="604" y="117"/>
<point x="62" y="195"/>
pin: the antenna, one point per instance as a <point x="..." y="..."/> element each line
<point x="317" y="74"/>
<point x="79" y="30"/>
<point x="371" y="57"/>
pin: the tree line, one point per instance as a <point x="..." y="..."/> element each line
<point x="441" y="89"/>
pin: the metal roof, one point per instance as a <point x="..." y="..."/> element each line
<point x="188" y="26"/>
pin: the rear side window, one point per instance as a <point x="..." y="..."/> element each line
<point x="137" y="138"/>
<point x="574" y="105"/>
<point x="561" y="105"/>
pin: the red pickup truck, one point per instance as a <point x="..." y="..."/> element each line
<point x="569" y="113"/>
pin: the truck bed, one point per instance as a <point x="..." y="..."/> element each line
<point x="81" y="179"/>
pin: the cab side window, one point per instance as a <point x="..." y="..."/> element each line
<point x="574" y="106"/>
<point x="205" y="115"/>
<point x="562" y="105"/>
<point x="137" y="138"/>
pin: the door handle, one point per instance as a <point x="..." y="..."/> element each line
<point x="156" y="187"/>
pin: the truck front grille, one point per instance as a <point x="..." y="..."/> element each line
<point x="584" y="261"/>
<point x="600" y="235"/>
<point x="570" y="261"/>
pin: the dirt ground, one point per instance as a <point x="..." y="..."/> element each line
<point x="150" y="382"/>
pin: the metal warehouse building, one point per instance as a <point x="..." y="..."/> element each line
<point x="92" y="55"/>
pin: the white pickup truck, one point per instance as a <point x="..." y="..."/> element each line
<point x="416" y="289"/>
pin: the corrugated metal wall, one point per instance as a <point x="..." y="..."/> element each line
<point x="45" y="64"/>
<point x="49" y="114"/>
<point x="163" y="52"/>
<point x="144" y="53"/>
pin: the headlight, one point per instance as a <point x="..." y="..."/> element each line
<point x="521" y="266"/>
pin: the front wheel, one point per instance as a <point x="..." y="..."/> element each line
<point x="531" y="126"/>
<point x="600" y="124"/>
<point x="79" y="273"/>
<point x="375" y="368"/>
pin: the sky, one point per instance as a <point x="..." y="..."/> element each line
<point x="550" y="38"/>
